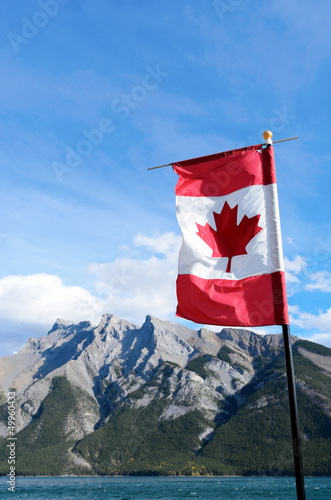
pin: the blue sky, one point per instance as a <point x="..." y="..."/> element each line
<point x="94" y="93"/>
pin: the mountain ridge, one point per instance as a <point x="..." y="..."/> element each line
<point x="160" y="379"/>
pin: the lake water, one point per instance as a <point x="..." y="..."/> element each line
<point x="165" y="488"/>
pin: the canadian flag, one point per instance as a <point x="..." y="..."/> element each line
<point x="231" y="269"/>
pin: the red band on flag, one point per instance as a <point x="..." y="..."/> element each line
<point x="223" y="173"/>
<point x="254" y="301"/>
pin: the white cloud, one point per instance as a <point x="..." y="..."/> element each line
<point x="321" y="281"/>
<point x="167" y="242"/>
<point x="135" y="287"/>
<point x="321" y="338"/>
<point x="310" y="321"/>
<point x="294" y="267"/>
<point x="290" y="240"/>
<point x="42" y="298"/>
<point x="130" y="288"/>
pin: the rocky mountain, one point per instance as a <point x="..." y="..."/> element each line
<point x="162" y="399"/>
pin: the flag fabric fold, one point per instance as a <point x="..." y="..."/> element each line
<point x="231" y="269"/>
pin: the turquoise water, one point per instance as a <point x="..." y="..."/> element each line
<point x="165" y="488"/>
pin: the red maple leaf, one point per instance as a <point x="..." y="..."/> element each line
<point x="229" y="239"/>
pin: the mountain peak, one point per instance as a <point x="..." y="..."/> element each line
<point x="106" y="318"/>
<point x="111" y="319"/>
<point x="108" y="322"/>
<point x="113" y="326"/>
<point x="59" y="324"/>
<point x="151" y="320"/>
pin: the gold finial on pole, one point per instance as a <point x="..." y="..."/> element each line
<point x="267" y="135"/>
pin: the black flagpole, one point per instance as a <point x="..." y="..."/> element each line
<point x="292" y="397"/>
<point x="296" y="441"/>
